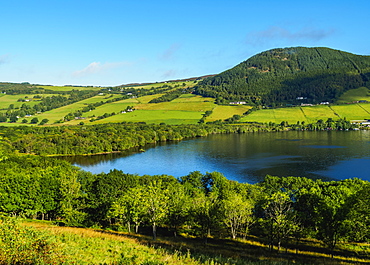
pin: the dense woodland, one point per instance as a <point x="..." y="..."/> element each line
<point x="289" y="76"/>
<point x="202" y="205"/>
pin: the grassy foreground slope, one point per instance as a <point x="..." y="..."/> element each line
<point x="45" y="243"/>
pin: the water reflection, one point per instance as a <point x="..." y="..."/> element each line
<point x="248" y="157"/>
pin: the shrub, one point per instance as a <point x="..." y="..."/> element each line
<point x="24" y="245"/>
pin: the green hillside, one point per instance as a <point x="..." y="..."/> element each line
<point x="289" y="76"/>
<point x="296" y="77"/>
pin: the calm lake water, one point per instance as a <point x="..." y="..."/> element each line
<point x="248" y="157"/>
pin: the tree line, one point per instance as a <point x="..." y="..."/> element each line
<point x="118" y="137"/>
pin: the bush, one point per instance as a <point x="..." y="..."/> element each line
<point x="23" y="245"/>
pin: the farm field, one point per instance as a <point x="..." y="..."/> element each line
<point x="310" y="114"/>
<point x="354" y="111"/>
<point x="316" y="113"/>
<point x="188" y="108"/>
<point x="155" y="116"/>
<point x="6" y="100"/>
<point x="70" y="88"/>
<point x="366" y="107"/>
<point x="59" y="113"/>
<point x="157" y="85"/>
<point x="225" y="112"/>
<point x="291" y="115"/>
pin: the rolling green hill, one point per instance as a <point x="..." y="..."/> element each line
<point x="264" y="83"/>
<point x="289" y="76"/>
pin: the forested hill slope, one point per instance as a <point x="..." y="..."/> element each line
<point x="289" y="76"/>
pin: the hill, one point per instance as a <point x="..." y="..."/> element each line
<point x="289" y="76"/>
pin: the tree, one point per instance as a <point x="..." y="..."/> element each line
<point x="13" y="118"/>
<point x="43" y="121"/>
<point x="70" y="193"/>
<point x="34" y="120"/>
<point x="179" y="206"/>
<point x="155" y="202"/>
<point x="358" y="219"/>
<point x="280" y="218"/>
<point x="237" y="213"/>
<point x="130" y="208"/>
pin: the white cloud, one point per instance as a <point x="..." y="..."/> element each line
<point x="4" y="59"/>
<point x="97" y="68"/>
<point x="169" y="73"/>
<point x="170" y="52"/>
<point x="279" y="33"/>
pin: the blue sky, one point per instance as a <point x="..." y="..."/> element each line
<point x="108" y="43"/>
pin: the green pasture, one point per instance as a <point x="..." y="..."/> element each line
<point x="225" y="112"/>
<point x="187" y="98"/>
<point x="315" y="113"/>
<point x="146" y="99"/>
<point x="70" y="88"/>
<point x="191" y="106"/>
<point x="361" y="93"/>
<point x="366" y="107"/>
<point x="155" y="116"/>
<point x="291" y="115"/>
<point x="59" y="113"/>
<point x="115" y="107"/>
<point x="157" y="85"/>
<point x="6" y="100"/>
<point x="310" y="114"/>
<point x="351" y="112"/>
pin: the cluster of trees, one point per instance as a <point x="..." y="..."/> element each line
<point x="205" y="115"/>
<point x="169" y="96"/>
<point x="198" y="204"/>
<point x="280" y="76"/>
<point x="21" y="88"/>
<point x="107" y="138"/>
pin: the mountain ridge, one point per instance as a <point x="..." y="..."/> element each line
<point x="280" y="76"/>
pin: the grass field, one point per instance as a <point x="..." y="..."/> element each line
<point x="6" y="100"/>
<point x="157" y="85"/>
<point x="186" y="109"/>
<point x="311" y="114"/>
<point x="291" y="115"/>
<point x="316" y="113"/>
<point x="366" y="107"/>
<point x="224" y="112"/>
<point x="354" y="111"/>
<point x="70" y="88"/>
<point x="89" y="246"/>
<point x="59" y="113"/>
<point x="189" y="108"/>
<point x="156" y="116"/>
